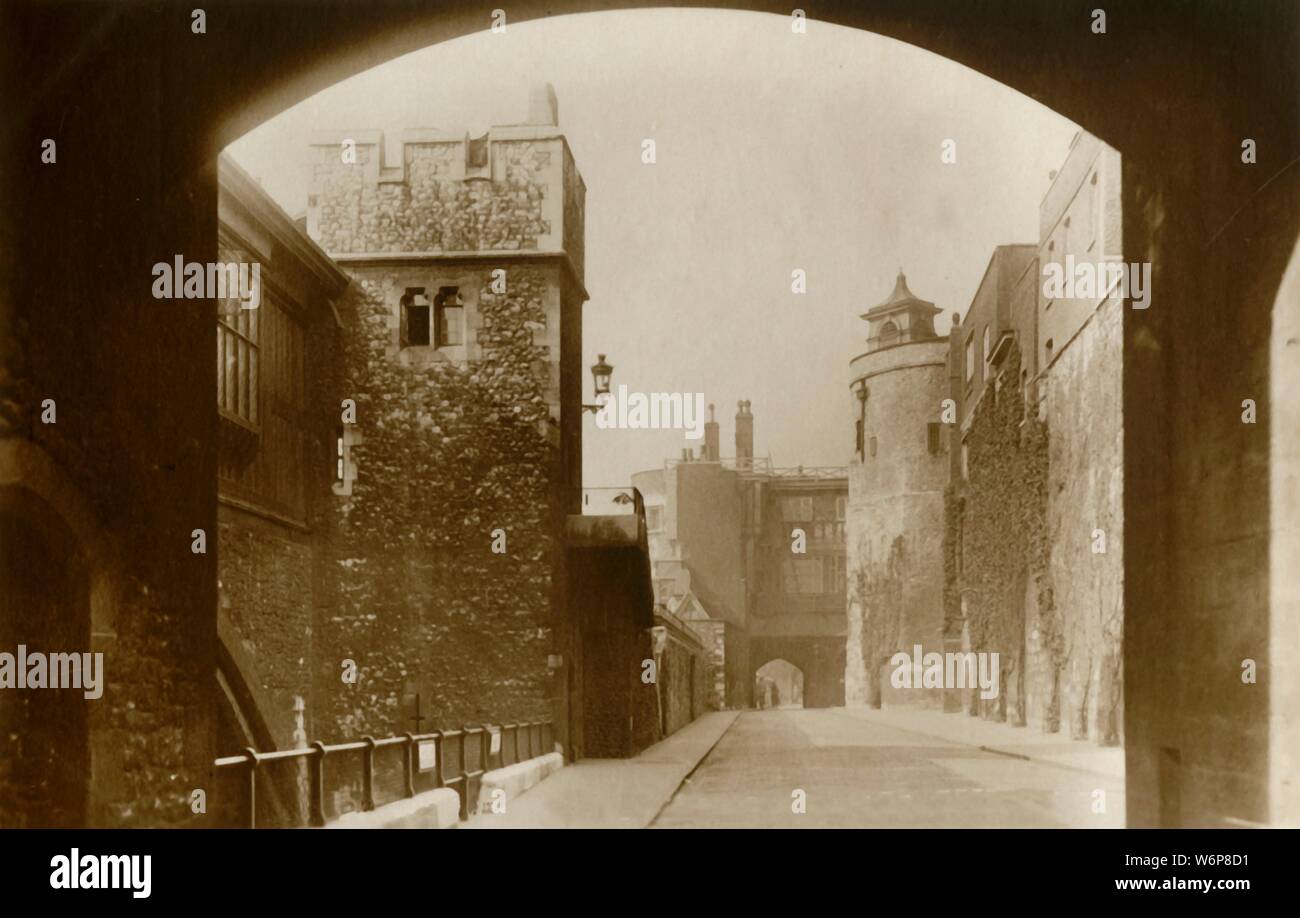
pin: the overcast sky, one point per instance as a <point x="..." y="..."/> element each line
<point x="775" y="151"/>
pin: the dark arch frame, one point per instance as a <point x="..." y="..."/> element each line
<point x="1175" y="87"/>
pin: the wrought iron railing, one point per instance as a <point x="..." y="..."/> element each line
<point x="473" y="754"/>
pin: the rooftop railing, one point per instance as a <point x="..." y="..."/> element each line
<point x="811" y="471"/>
<point x="762" y="466"/>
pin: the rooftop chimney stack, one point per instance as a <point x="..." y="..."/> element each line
<point x="711" y="453"/>
<point x="744" y="435"/>
<point x="543" y="108"/>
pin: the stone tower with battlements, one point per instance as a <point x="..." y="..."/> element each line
<point x="462" y="343"/>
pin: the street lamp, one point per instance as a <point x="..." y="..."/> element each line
<point x="600" y="374"/>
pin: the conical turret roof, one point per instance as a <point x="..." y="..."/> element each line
<point x="901" y="300"/>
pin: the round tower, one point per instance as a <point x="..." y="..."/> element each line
<point x="895" y="519"/>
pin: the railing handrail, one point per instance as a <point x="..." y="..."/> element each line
<point x="317" y="752"/>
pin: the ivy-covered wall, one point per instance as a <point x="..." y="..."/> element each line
<point x="996" y="557"/>
<point x="1034" y="541"/>
<point x="877" y="588"/>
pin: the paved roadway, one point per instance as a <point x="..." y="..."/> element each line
<point x="860" y="774"/>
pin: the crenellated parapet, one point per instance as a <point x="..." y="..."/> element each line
<point x="515" y="189"/>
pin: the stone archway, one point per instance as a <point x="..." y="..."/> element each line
<point x="56" y="595"/>
<point x="784" y="681"/>
<point x="1216" y="231"/>
<point x="821" y="660"/>
<point x="1206" y="340"/>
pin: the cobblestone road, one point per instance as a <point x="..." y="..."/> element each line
<point x="860" y="774"/>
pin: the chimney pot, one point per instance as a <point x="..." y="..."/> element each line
<point x="710" y="451"/>
<point x="744" y="433"/>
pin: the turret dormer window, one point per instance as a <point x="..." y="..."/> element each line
<point x="903" y="318"/>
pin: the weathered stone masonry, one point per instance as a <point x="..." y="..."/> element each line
<point x="455" y="440"/>
<point x="1085" y="494"/>
<point x="896" y="500"/>
<point x="413" y="592"/>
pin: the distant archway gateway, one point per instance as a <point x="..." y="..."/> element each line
<point x="820" y="660"/>
<point x="778" y="684"/>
